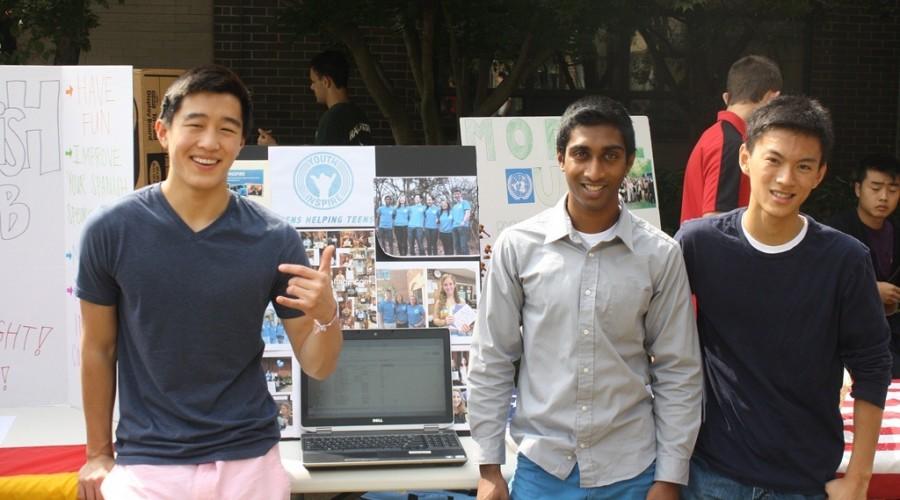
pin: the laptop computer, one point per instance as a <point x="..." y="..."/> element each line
<point x="387" y="403"/>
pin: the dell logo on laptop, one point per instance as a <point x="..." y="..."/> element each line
<point x="377" y="420"/>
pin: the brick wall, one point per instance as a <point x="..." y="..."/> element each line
<point x="153" y="34"/>
<point x="275" y="65"/>
<point x="855" y="72"/>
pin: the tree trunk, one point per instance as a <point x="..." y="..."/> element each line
<point x="67" y="52"/>
<point x="431" y="118"/>
<point x="387" y="102"/>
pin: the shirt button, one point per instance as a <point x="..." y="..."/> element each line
<point x="584" y="408"/>
<point x="586" y="370"/>
<point x="587" y="292"/>
<point x="568" y="457"/>
<point x="586" y="332"/>
<point x="591" y="254"/>
<point x="582" y="445"/>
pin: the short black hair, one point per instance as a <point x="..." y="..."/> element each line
<point x="793" y="112"/>
<point x="880" y="162"/>
<point x="332" y="64"/>
<point x="207" y="78"/>
<point x="595" y="110"/>
<point x="750" y="77"/>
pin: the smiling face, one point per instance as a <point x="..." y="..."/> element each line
<point x="595" y="164"/>
<point x="448" y="285"/>
<point x="203" y="140"/>
<point x="784" y="167"/>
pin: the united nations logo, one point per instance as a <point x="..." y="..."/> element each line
<point x="323" y="181"/>
<point x="519" y="186"/>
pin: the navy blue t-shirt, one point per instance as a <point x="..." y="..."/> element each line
<point x="190" y="306"/>
<point x="775" y="331"/>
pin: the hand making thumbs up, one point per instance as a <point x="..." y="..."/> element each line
<point x="309" y="290"/>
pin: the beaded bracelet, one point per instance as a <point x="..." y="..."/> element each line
<point x="319" y="327"/>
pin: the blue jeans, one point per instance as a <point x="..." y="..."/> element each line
<point x="461" y="240"/>
<point x="532" y="482"/>
<point x="707" y="484"/>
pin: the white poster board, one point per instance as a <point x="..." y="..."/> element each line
<point x="65" y="148"/>
<point x="323" y="187"/>
<point x="519" y="176"/>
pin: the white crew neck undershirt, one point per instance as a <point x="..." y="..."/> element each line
<point x="592" y="239"/>
<point x="773" y="249"/>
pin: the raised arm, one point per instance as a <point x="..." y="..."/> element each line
<point x="309" y="290"/>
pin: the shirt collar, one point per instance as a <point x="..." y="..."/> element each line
<point x="560" y="224"/>
<point x="735" y="120"/>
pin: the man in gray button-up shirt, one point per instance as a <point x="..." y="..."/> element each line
<point x="609" y="390"/>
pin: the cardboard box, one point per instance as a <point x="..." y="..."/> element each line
<point x="151" y="163"/>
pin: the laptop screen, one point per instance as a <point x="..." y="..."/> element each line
<point x="383" y="377"/>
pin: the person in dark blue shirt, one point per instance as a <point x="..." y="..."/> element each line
<point x="876" y="184"/>
<point x="783" y="305"/>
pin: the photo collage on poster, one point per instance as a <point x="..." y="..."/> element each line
<point x="409" y="258"/>
<point x="427" y="227"/>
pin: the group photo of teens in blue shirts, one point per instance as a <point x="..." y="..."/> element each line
<point x="426" y="217"/>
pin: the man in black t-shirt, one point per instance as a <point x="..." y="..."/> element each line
<point x="344" y="123"/>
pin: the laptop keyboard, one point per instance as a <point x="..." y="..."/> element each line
<point x="400" y="442"/>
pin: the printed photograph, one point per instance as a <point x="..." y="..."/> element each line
<point x="279" y="374"/>
<point x="452" y="300"/>
<point x="427" y="216"/>
<point x="459" y="367"/>
<point x="273" y="333"/>
<point x="352" y="271"/>
<point x="401" y="292"/>
<point x="285" y="410"/>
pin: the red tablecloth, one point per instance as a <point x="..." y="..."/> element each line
<point x="885" y="482"/>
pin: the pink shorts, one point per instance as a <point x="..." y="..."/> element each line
<point x="262" y="478"/>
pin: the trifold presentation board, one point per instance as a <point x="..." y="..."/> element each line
<point x="404" y="221"/>
<point x="65" y="148"/>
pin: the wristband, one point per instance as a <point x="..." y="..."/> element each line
<point x="319" y="327"/>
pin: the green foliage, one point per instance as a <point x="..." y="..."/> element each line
<point x="44" y="28"/>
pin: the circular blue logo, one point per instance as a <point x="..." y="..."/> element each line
<point x="519" y="186"/>
<point x="323" y="181"/>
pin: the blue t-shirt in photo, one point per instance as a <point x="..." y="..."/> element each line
<point x="417" y="215"/>
<point x="459" y="212"/>
<point x="386" y="308"/>
<point x="386" y="216"/>
<point x="446" y="222"/>
<point x="416" y="314"/>
<point x="431" y="217"/>
<point x="401" y="218"/>
<point x="400" y="311"/>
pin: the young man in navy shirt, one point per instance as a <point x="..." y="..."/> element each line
<point x="783" y="304"/>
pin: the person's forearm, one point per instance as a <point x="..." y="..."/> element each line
<point x="489" y="470"/>
<point x="320" y="352"/>
<point x="98" y="389"/>
<point x="866" y="427"/>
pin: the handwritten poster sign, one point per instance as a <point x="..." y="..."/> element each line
<point x="519" y="176"/>
<point x="65" y="148"/>
<point x="323" y="187"/>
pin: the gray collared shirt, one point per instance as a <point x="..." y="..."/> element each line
<point x="590" y="320"/>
